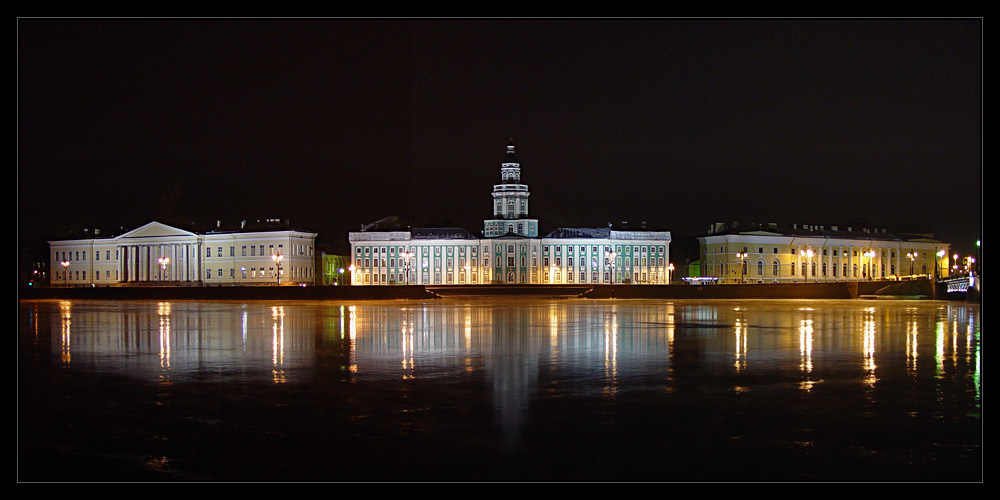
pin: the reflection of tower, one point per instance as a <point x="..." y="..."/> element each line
<point x="510" y="202"/>
<point x="512" y="366"/>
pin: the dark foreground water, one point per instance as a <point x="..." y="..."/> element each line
<point x="499" y="390"/>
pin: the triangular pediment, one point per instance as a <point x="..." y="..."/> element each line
<point x="156" y="230"/>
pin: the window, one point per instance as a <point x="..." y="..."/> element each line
<point x="208" y="251"/>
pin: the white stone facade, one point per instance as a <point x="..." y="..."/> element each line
<point x="160" y="254"/>
<point x="813" y="253"/>
<point x="510" y="251"/>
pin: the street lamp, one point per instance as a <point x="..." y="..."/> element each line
<point x="350" y="268"/>
<point x="871" y="256"/>
<point x="809" y="255"/>
<point x="940" y="255"/>
<point x="610" y="256"/>
<point x="65" y="265"/>
<point x="277" y="258"/>
<point x="340" y="275"/>
<point x="406" y="264"/>
<point x="912" y="256"/>
<point x="741" y="256"/>
<point x="163" y="265"/>
<point x="468" y="276"/>
<point x="670" y="268"/>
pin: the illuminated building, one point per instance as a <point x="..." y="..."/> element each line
<point x="767" y="253"/>
<point x="269" y="254"/>
<point x="510" y="251"/>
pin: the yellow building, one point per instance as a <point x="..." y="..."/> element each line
<point x="768" y="253"/>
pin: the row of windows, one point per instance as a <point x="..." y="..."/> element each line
<point x="835" y="252"/>
<point x="81" y="255"/>
<point x="243" y="250"/>
<point x="254" y="272"/>
<point x="835" y="270"/>
<point x="82" y="275"/>
<point x="620" y="249"/>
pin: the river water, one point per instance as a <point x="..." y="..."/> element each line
<point x="500" y="389"/>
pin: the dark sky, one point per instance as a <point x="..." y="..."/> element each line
<point x="336" y="123"/>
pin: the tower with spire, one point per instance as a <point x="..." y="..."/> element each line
<point x="510" y="202"/>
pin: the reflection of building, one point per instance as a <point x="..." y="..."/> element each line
<point x="510" y="251"/>
<point x="158" y="253"/>
<point x="769" y="253"/>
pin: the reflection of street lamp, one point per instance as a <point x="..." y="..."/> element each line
<point x="610" y="256"/>
<point x="65" y="265"/>
<point x="741" y="256"/>
<point x="670" y="268"/>
<point x="808" y="254"/>
<point x="406" y="264"/>
<point x="277" y="261"/>
<point x="163" y="265"/>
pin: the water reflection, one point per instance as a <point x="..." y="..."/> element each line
<point x="434" y="338"/>
<point x="525" y="354"/>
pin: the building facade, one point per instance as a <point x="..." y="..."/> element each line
<point x="509" y="251"/>
<point x="771" y="254"/>
<point x="160" y="254"/>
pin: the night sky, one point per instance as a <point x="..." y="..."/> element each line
<point x="336" y="123"/>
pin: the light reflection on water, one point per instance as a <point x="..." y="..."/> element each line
<point x="528" y="353"/>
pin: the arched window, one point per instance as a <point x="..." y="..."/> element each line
<point x="775" y="268"/>
<point x="760" y="268"/>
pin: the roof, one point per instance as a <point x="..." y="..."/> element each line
<point x="849" y="232"/>
<point x="580" y="232"/>
<point x="447" y="233"/>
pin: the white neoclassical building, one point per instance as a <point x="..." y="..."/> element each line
<point x="269" y="254"/>
<point x="768" y="253"/>
<point x="509" y="251"/>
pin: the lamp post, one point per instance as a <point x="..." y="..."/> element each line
<point x="741" y="256"/>
<point x="670" y="268"/>
<point x="940" y="255"/>
<point x="468" y="275"/>
<point x="350" y="268"/>
<point x="611" y="262"/>
<point x="277" y="258"/>
<point x="406" y="264"/>
<point x="340" y="276"/>
<point x="871" y="256"/>
<point x="912" y="256"/>
<point x="65" y="265"/>
<point x="808" y="253"/>
<point x="163" y="261"/>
